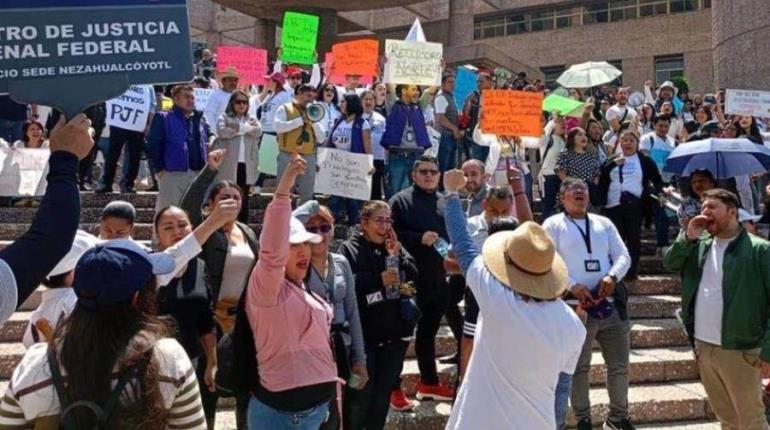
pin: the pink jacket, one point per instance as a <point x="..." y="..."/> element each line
<point x="291" y="327"/>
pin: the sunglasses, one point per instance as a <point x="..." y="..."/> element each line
<point x="426" y="172"/>
<point x="241" y="102"/>
<point x="323" y="229"/>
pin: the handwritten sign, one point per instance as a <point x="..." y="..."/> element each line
<point x="249" y="63"/>
<point x="466" y="82"/>
<point x="299" y="35"/>
<point x="417" y="63"/>
<point x="512" y="113"/>
<point x="129" y="111"/>
<point x="202" y="97"/>
<point x="747" y="102"/>
<point x="342" y="79"/>
<point x="344" y="174"/>
<point x="71" y="54"/>
<point x="23" y="171"/>
<point x="357" y="57"/>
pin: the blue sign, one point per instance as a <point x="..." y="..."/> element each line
<point x="70" y="54"/>
<point x="466" y="82"/>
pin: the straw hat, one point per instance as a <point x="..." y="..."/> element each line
<point x="231" y="72"/>
<point x="525" y="260"/>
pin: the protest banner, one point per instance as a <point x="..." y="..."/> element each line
<point x="130" y="110"/>
<point x="416" y="63"/>
<point x="23" y="171"/>
<point x="76" y="53"/>
<point x="748" y="102"/>
<point x="512" y="113"/>
<point x="357" y="57"/>
<point x="249" y="63"/>
<point x="466" y="82"/>
<point x="299" y="34"/>
<point x="565" y="106"/>
<point x="341" y="79"/>
<point x="202" y="97"/>
<point x="344" y="174"/>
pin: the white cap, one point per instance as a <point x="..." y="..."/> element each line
<point x="298" y="234"/>
<point x="82" y="243"/>
<point x="745" y="216"/>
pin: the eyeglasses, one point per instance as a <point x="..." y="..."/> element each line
<point x="426" y="172"/>
<point x="241" y="102"/>
<point x="323" y="229"/>
<point x="380" y="220"/>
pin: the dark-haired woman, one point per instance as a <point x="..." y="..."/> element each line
<point x="230" y="254"/>
<point x="33" y="138"/>
<point x="238" y="133"/>
<point x="350" y="133"/>
<point x="111" y="353"/>
<point x="329" y="99"/>
<point x="578" y="162"/>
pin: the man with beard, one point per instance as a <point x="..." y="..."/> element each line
<point x="725" y="302"/>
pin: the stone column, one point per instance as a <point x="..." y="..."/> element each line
<point x="460" y="22"/>
<point x="741" y="37"/>
<point x="264" y="34"/>
<point x="327" y="31"/>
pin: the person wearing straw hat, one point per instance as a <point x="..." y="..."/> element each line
<point x="217" y="103"/>
<point x="518" y="279"/>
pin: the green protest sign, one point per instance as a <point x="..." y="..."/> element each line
<point x="298" y="38"/>
<point x="563" y="105"/>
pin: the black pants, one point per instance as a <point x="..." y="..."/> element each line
<point x="432" y="300"/>
<point x="377" y="178"/>
<point x="210" y="399"/>
<point x="368" y="408"/>
<point x="118" y="138"/>
<point x="86" y="166"/>
<point x="627" y="218"/>
<point x="453" y="315"/>
<point x="240" y="179"/>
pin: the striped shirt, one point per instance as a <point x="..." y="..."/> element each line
<point x="31" y="397"/>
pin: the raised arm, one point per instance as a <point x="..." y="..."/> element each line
<point x="193" y="198"/>
<point x="464" y="247"/>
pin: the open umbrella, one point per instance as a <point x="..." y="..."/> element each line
<point x="587" y="75"/>
<point x="724" y="158"/>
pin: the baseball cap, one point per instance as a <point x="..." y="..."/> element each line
<point x="298" y="234"/>
<point x="82" y="243"/>
<point x="278" y="77"/>
<point x="114" y="271"/>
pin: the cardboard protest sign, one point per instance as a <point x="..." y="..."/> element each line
<point x="130" y="110"/>
<point x="249" y="63"/>
<point x="202" y="97"/>
<point x="344" y="174"/>
<point x="299" y="35"/>
<point x="417" y="63"/>
<point x="512" y="113"/>
<point x="23" y="171"/>
<point x="357" y="57"/>
<point x="466" y="82"/>
<point x="748" y="102"/>
<point x="341" y="79"/>
<point x="76" y="53"/>
<point x="565" y="106"/>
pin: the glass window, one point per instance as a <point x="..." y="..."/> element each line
<point x="493" y="28"/>
<point x="668" y="67"/>
<point x="477" y="30"/>
<point x="683" y="5"/>
<point x="618" y="64"/>
<point x="706" y="4"/>
<point x="621" y="10"/>
<point x="516" y="24"/>
<point x="596" y="13"/>
<point x="653" y="7"/>
<point x="542" y="20"/>
<point x="564" y="18"/>
<point x="552" y="73"/>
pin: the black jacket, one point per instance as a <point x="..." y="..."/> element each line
<point x="380" y="319"/>
<point x="414" y="212"/>
<point x="651" y="179"/>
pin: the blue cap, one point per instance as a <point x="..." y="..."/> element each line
<point x="114" y="271"/>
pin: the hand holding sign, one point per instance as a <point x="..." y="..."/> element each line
<point x="73" y="137"/>
<point x="299" y="34"/>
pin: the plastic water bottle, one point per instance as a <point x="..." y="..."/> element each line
<point x="392" y="291"/>
<point x="442" y="247"/>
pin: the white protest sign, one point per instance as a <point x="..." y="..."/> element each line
<point x="23" y="171"/>
<point x="129" y="111"/>
<point x="202" y="97"/>
<point x="748" y="102"/>
<point x="416" y="63"/>
<point x="344" y="174"/>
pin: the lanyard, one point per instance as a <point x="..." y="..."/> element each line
<point x="585" y="234"/>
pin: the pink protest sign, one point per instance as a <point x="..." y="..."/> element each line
<point x="249" y="63"/>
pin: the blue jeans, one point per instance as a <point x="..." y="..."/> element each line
<point x="662" y="222"/>
<point x="341" y="205"/>
<point x="563" y="391"/>
<point x="399" y="169"/>
<point x="550" y="191"/>
<point x="447" y="153"/>
<point x="263" y="417"/>
<point x="528" y="189"/>
<point x="11" y="130"/>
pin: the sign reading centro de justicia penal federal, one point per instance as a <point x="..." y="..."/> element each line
<point x="72" y="53"/>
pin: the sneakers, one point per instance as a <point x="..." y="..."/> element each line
<point x="435" y="392"/>
<point x="585" y="424"/>
<point x="623" y="424"/>
<point x="399" y="401"/>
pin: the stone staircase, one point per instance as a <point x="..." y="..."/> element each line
<point x="664" y="393"/>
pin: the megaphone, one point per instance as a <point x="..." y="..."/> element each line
<point x="316" y="112"/>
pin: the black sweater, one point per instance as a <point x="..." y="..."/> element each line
<point x="414" y="212"/>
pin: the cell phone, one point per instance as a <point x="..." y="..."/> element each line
<point x="710" y="99"/>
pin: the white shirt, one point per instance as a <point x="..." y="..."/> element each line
<point x="519" y="349"/>
<point x="478" y="229"/>
<point x="331" y="114"/>
<point x="709" y="301"/>
<point x="269" y="108"/>
<point x="658" y="149"/>
<point x="342" y="137"/>
<point x="632" y="180"/>
<point x="377" y="123"/>
<point x="606" y="246"/>
<point x="215" y="107"/>
<point x="341" y="91"/>
<point x="8" y="291"/>
<point x="616" y="112"/>
<point x="441" y="103"/>
<point x="55" y="304"/>
<point x="557" y="146"/>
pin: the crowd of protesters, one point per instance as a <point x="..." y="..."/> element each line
<point x="305" y="337"/>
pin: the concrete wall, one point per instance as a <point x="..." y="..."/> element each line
<point x="217" y="25"/>
<point x="741" y="43"/>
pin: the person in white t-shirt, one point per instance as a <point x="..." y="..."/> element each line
<point x="616" y="115"/>
<point x="217" y="103"/>
<point x="526" y="336"/>
<point x="658" y="145"/>
<point x="377" y="123"/>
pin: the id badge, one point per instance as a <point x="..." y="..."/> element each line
<point x="374" y="298"/>
<point x="593" y="266"/>
<point x="409" y="136"/>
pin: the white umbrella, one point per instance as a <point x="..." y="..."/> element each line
<point x="587" y="75"/>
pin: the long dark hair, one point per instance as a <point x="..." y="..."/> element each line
<point x="25" y="128"/>
<point x="93" y="344"/>
<point x="335" y="98"/>
<point x="230" y="111"/>
<point x="219" y="186"/>
<point x="570" y="144"/>
<point x="353" y="105"/>
<point x="752" y="133"/>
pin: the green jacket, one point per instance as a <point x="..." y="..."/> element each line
<point x="745" y="288"/>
